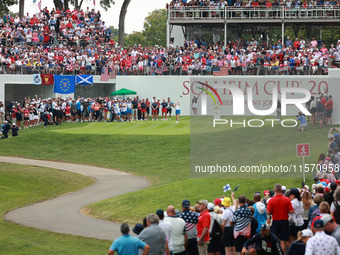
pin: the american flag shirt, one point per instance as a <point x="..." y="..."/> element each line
<point x="191" y="220"/>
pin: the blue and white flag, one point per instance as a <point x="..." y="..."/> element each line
<point x="236" y="187"/>
<point x="64" y="84"/>
<point x="84" y="80"/>
<point x="226" y="188"/>
<point x="36" y="79"/>
<point x="34" y="1"/>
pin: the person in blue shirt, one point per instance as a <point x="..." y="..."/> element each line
<point x="303" y="123"/>
<point x="126" y="244"/>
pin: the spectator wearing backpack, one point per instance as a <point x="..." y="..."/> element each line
<point x="314" y="211"/>
<point x="260" y="212"/>
<point x="215" y="231"/>
<point x="330" y="196"/>
<point x="228" y="232"/>
<point x="331" y="226"/>
<point x="335" y="207"/>
<point x="324" y="209"/>
<point x="253" y="223"/>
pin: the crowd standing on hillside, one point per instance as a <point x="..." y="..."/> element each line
<point x="293" y="221"/>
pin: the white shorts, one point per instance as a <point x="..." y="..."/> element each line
<point x="31" y="117"/>
<point x="36" y="117"/>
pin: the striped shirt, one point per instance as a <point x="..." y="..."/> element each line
<point x="191" y="220"/>
<point x="241" y="218"/>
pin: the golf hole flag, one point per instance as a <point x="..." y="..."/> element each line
<point x="84" y="80"/>
<point x="64" y="84"/>
<point x="226" y="188"/>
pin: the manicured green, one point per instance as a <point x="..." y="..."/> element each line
<point x="24" y="185"/>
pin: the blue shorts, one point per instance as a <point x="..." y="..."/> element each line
<point x="178" y="112"/>
<point x="123" y="113"/>
<point x="129" y="111"/>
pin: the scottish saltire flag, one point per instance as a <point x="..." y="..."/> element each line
<point x="226" y="188"/>
<point x="105" y="74"/>
<point x="236" y="187"/>
<point x="84" y="79"/>
<point x="36" y="79"/>
<point x="64" y="84"/>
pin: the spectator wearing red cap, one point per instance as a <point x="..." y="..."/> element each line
<point x="279" y="207"/>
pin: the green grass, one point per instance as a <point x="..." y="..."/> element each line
<point x="160" y="151"/>
<point x="117" y="209"/>
<point x="24" y="185"/>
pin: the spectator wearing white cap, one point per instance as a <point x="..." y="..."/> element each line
<point x="298" y="247"/>
<point x="331" y="226"/>
<point x="215" y="233"/>
<point x="321" y="243"/>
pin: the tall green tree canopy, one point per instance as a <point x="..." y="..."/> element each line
<point x="154" y="31"/>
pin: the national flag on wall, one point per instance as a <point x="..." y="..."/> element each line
<point x="39" y="5"/>
<point x="105" y="74"/>
<point x="112" y="73"/>
<point x="64" y="84"/>
<point x="47" y="79"/>
<point x="84" y="80"/>
<point x="36" y="79"/>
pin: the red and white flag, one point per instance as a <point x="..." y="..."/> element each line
<point x="69" y="67"/>
<point x="105" y="74"/>
<point x="39" y="5"/>
<point x="112" y="74"/>
<point x="94" y="2"/>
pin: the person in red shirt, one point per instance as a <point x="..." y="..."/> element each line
<point x="26" y="112"/>
<point x="329" y="110"/>
<point x="279" y="207"/>
<point x="203" y="226"/>
<point x="296" y="44"/>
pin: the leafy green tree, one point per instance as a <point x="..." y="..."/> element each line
<point x="136" y="38"/>
<point x="155" y="27"/>
<point x="4" y="4"/>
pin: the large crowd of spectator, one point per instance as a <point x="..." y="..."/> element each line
<point x="293" y="221"/>
<point x="220" y="4"/>
<point x="79" y="42"/>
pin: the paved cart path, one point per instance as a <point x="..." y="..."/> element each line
<point x="62" y="214"/>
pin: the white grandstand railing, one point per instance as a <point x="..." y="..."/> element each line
<point x="228" y="13"/>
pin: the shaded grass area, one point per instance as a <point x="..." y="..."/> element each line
<point x="24" y="185"/>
